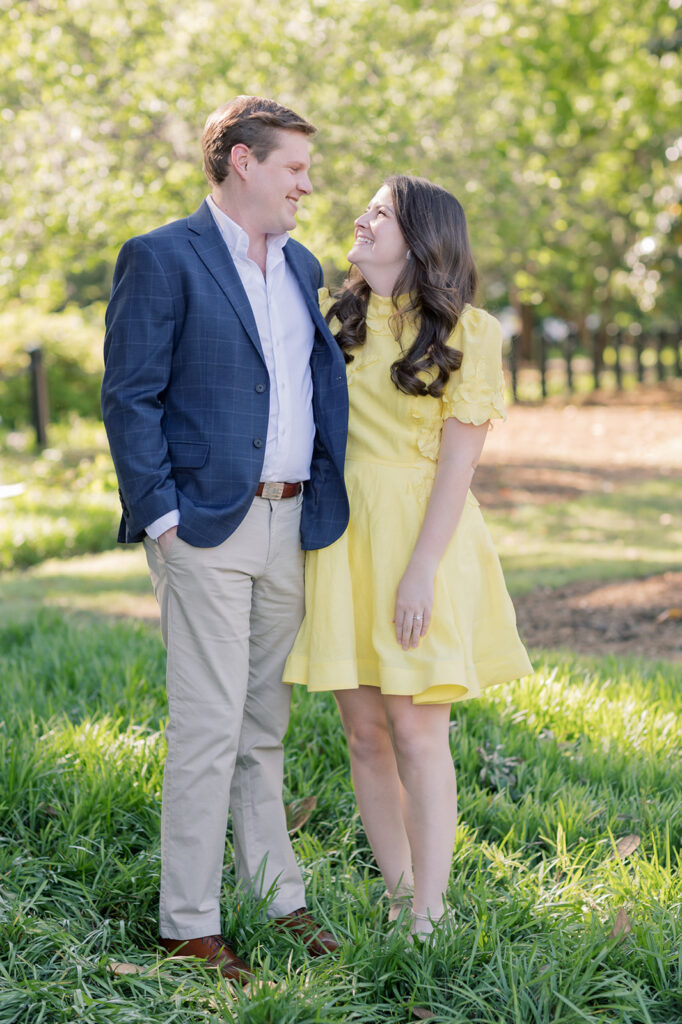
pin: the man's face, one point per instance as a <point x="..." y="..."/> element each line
<point x="277" y="184"/>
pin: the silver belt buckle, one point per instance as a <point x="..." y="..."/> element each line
<point x="272" y="489"/>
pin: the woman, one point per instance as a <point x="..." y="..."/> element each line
<point x="408" y="611"/>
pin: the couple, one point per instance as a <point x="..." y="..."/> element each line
<point x="226" y="403"/>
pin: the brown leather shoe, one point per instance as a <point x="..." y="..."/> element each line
<point x="214" y="950"/>
<point x="316" y="940"/>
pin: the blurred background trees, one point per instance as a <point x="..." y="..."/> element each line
<point x="556" y="122"/>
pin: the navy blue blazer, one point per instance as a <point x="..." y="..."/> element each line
<point x="185" y="395"/>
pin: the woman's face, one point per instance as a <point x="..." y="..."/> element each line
<point x="379" y="247"/>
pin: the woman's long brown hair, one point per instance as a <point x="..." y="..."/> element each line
<point x="439" y="277"/>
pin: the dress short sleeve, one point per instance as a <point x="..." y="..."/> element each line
<point x="325" y="301"/>
<point x="475" y="392"/>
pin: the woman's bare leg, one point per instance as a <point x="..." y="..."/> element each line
<point x="429" y="797"/>
<point x="378" y="789"/>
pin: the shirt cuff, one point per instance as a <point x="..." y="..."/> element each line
<point x="163" y="523"/>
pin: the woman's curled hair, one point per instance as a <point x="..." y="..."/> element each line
<point x="439" y="277"/>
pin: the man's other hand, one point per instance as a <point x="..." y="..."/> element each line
<point x="166" y="539"/>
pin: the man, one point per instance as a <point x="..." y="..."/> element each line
<point x="225" y="404"/>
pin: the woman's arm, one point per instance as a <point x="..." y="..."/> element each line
<point x="460" y="449"/>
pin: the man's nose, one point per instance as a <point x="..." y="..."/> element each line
<point x="305" y="185"/>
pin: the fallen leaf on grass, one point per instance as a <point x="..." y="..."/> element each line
<point x="421" y="1013"/>
<point x="49" y="810"/>
<point x="298" y="812"/>
<point x="622" y="925"/>
<point x="627" y="845"/>
<point x="122" y="968"/>
<point x="668" y="614"/>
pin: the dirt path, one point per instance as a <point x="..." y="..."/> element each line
<point x="559" y="452"/>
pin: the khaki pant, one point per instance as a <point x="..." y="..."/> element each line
<point x="229" y="616"/>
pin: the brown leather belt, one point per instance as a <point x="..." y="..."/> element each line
<point x="274" y="490"/>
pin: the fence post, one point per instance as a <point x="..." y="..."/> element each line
<point x="39" y="399"/>
<point x="661" y="338"/>
<point x="596" y="359"/>
<point x="542" y="352"/>
<point x="617" y="366"/>
<point x="639" y="349"/>
<point x="514" y="365"/>
<point x="569" y="348"/>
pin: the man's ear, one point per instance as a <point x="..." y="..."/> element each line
<point x="240" y="155"/>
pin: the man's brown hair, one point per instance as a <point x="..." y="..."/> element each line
<point x="252" y="121"/>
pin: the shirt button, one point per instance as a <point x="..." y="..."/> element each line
<point x="257" y="442"/>
<point x="260" y="388"/>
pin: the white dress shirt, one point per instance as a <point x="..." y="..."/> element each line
<point x="286" y="333"/>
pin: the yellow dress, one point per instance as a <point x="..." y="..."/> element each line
<point x="348" y="638"/>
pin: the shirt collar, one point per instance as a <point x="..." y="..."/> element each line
<point x="237" y="240"/>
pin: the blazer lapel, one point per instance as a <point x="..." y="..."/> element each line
<point x="295" y="263"/>
<point x="210" y="247"/>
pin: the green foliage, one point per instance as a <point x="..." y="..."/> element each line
<point x="537" y="883"/>
<point x="556" y="123"/>
<point x="62" y="502"/>
<point x="72" y="351"/>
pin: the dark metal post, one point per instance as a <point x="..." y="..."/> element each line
<point x="514" y="365"/>
<point x="596" y="359"/>
<point x="542" y="347"/>
<point x="639" y="348"/>
<point x="617" y="366"/>
<point x="569" y="349"/>
<point x="660" y="345"/>
<point x="39" y="399"/>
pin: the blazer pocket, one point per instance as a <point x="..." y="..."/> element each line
<point x="188" y="454"/>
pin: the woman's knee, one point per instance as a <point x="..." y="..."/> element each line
<point x="418" y="738"/>
<point x="367" y="736"/>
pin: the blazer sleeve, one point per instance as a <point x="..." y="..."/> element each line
<point x="138" y="350"/>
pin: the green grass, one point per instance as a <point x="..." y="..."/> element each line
<point x="69" y="506"/>
<point x="552" y="773"/>
<point x="582" y="754"/>
<point x="64" y="500"/>
<point x="632" y="531"/>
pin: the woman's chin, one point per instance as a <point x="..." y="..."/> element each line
<point x="355" y="256"/>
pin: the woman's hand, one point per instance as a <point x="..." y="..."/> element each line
<point x="413" y="604"/>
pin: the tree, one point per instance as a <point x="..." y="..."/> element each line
<point x="554" y="122"/>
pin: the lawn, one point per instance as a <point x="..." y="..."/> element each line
<point x="557" y="775"/>
<point x="635" y="530"/>
<point x="566" y="883"/>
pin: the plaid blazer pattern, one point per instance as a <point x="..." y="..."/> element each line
<point x="185" y="394"/>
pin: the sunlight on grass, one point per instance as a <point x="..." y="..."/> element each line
<point x="634" y="531"/>
<point x="112" y="583"/>
<point x="551" y="921"/>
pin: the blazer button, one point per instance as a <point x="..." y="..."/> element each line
<point x="257" y="442"/>
<point x="260" y="388"/>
